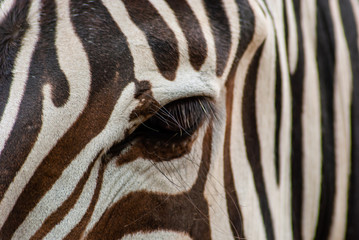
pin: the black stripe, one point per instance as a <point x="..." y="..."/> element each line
<point x="247" y="24"/>
<point x="252" y="143"/>
<point x="297" y="81"/>
<point x="246" y="35"/>
<point x="352" y="231"/>
<point x="221" y="31"/>
<point x="186" y="212"/>
<point x="278" y="101"/>
<point x="12" y="31"/>
<point x="285" y="22"/>
<point x="57" y="216"/>
<point x="233" y="207"/>
<point x="112" y="68"/>
<point x="192" y="30"/>
<point x="44" y="69"/>
<point x="278" y="110"/>
<point x="160" y="37"/>
<point x="326" y="65"/>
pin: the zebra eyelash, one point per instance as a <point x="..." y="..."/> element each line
<point x="180" y="118"/>
<point x="174" y="123"/>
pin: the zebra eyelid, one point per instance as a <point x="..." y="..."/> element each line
<point x="175" y="122"/>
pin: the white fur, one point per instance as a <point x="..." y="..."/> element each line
<point x="214" y="190"/>
<point x="281" y="202"/>
<point x="265" y="107"/>
<point x="244" y="182"/>
<point x="70" y="177"/>
<point x="180" y="174"/>
<point x="200" y="12"/>
<point x="20" y="76"/>
<point x="76" y="69"/>
<point x="231" y="9"/>
<point x="157" y="235"/>
<point x="312" y="161"/>
<point x="79" y="209"/>
<point x="292" y="36"/>
<point x="5" y="8"/>
<point x="172" y="177"/>
<point x="342" y="124"/>
<point x="188" y="82"/>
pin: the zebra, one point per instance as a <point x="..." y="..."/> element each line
<point x="178" y="119"/>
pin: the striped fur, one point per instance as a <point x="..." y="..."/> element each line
<point x="178" y="119"/>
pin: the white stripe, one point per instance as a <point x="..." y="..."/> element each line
<point x="35" y="219"/>
<point x="70" y="177"/>
<point x="278" y="195"/>
<point x="285" y="149"/>
<point x="5" y="8"/>
<point x="311" y="139"/>
<point x="172" y="177"/>
<point x="243" y="178"/>
<point x="265" y="113"/>
<point x="145" y="65"/>
<point x="292" y="37"/>
<point x="73" y="61"/>
<point x="200" y="12"/>
<point x="231" y="10"/>
<point x="188" y="82"/>
<point x="280" y="200"/>
<point x="20" y="76"/>
<point x="214" y="191"/>
<point x="170" y="19"/>
<point x="74" y="216"/>
<point x="157" y="235"/>
<point x="342" y="124"/>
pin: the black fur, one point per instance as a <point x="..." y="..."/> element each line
<point x="12" y="30"/>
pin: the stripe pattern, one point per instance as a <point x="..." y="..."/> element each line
<point x="177" y="119"/>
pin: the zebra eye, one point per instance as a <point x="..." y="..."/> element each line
<point x="179" y="119"/>
<point x="168" y="133"/>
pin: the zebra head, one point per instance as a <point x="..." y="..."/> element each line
<point x="112" y="115"/>
<point x="179" y="119"/>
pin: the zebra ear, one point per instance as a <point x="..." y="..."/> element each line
<point x="12" y="29"/>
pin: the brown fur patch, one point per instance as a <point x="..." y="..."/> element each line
<point x="156" y="151"/>
<point x="147" y="105"/>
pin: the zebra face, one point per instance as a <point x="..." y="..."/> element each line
<point x="108" y="112"/>
<point x="179" y="119"/>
